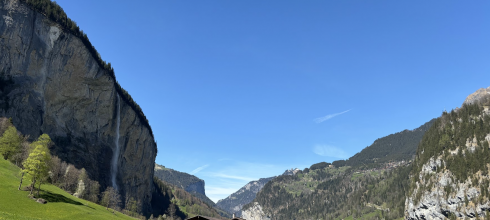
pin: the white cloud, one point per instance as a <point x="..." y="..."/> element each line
<point x="199" y="169"/>
<point x="327" y="117"/>
<point x="329" y="151"/>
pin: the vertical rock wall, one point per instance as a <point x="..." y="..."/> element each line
<point x="50" y="83"/>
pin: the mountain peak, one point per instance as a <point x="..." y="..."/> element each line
<point x="476" y="96"/>
<point x="291" y="172"/>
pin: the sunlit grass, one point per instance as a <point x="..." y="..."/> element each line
<point x="15" y="204"/>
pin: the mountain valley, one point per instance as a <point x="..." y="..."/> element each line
<point x="74" y="144"/>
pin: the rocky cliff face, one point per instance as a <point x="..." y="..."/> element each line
<point x="189" y="183"/>
<point x="442" y="195"/>
<point x="234" y="202"/>
<point x="451" y="172"/>
<point x="476" y="96"/>
<point x="50" y="83"/>
<point x="255" y="213"/>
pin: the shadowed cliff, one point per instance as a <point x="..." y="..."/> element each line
<point x="52" y="83"/>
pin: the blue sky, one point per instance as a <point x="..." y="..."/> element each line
<point x="239" y="90"/>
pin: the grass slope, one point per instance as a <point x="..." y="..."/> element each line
<point x="15" y="204"/>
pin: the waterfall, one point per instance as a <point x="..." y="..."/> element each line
<point x="115" y="157"/>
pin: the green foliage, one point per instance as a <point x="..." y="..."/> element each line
<point x="176" y="178"/>
<point x="37" y="164"/>
<point x="320" y="165"/>
<point x="450" y="133"/>
<point x="174" y="201"/>
<point x="183" y="181"/>
<point x="394" y="147"/>
<point x="333" y="193"/>
<point x="16" y="205"/>
<point x="10" y="143"/>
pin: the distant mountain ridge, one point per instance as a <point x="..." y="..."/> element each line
<point x="234" y="202"/>
<point x="394" y="147"/>
<point x="331" y="191"/>
<point x="187" y="182"/>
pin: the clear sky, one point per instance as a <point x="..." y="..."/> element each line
<point x="237" y="90"/>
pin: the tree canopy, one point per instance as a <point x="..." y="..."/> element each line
<point x="37" y="164"/>
<point x="9" y="143"/>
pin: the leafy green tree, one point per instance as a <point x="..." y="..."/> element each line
<point x="9" y="143"/>
<point x="37" y="164"/>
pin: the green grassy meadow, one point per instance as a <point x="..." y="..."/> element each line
<point x="15" y="204"/>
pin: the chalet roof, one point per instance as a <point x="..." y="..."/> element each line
<point x="199" y="217"/>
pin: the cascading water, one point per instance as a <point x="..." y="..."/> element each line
<point x="115" y="157"/>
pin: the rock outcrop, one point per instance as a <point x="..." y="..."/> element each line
<point x="480" y="93"/>
<point x="51" y="83"/>
<point x="442" y="195"/>
<point x="234" y="202"/>
<point x="291" y="172"/>
<point x="450" y="178"/>
<point x="255" y="213"/>
<point x="188" y="182"/>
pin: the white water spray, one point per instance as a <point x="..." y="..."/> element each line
<point x="115" y="157"/>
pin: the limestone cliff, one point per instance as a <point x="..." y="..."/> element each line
<point x="441" y="195"/>
<point x="234" y="202"/>
<point x="255" y="213"/>
<point x="189" y="183"/>
<point x="450" y="178"/>
<point x="51" y="83"/>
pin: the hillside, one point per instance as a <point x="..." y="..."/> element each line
<point x="332" y="193"/>
<point x="16" y="204"/>
<point x="450" y="174"/>
<point x="176" y="202"/>
<point x="234" y="202"/>
<point x="394" y="147"/>
<point x="190" y="183"/>
<point x="373" y="180"/>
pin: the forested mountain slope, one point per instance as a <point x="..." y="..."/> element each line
<point x="450" y="177"/>
<point x="333" y="193"/>
<point x="368" y="184"/>
<point x="190" y="183"/>
<point x="394" y="147"/>
<point x="176" y="203"/>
